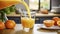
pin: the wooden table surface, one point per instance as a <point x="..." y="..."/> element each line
<point x="36" y="30"/>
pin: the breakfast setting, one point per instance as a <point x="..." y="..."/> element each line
<point x="29" y="16"/>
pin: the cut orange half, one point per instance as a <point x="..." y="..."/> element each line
<point x="48" y="23"/>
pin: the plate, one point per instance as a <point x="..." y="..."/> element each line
<point x="53" y="27"/>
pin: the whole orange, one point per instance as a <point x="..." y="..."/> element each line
<point x="58" y="23"/>
<point x="56" y="19"/>
<point x="10" y="24"/>
<point x="2" y="25"/>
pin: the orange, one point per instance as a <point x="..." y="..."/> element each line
<point x="2" y="25"/>
<point x="58" y="23"/>
<point x="56" y="19"/>
<point x="10" y="24"/>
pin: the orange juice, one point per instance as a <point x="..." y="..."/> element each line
<point x="27" y="22"/>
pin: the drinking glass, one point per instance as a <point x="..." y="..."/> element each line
<point x="27" y="22"/>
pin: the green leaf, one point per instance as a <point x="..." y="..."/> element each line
<point x="12" y="8"/>
<point x="7" y="10"/>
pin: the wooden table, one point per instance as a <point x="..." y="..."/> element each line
<point x="36" y="30"/>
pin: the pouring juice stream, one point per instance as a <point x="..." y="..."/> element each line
<point x="27" y="8"/>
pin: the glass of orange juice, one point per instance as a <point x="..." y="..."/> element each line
<point x="28" y="22"/>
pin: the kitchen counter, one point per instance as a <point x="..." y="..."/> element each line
<point x="13" y="14"/>
<point x="37" y="14"/>
<point x="49" y="14"/>
<point x="18" y="30"/>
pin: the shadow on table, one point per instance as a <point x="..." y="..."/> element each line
<point x="7" y="31"/>
<point x="47" y="30"/>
